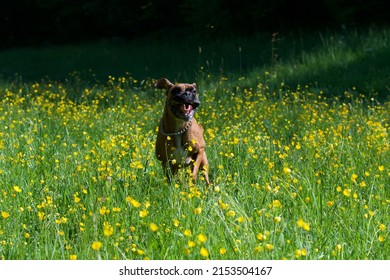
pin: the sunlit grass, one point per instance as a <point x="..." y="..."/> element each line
<point x="295" y="175"/>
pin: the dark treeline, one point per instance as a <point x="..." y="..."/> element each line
<point x="60" y="21"/>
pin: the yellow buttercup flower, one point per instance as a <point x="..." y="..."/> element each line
<point x="302" y="224"/>
<point x="4" y="214"/>
<point x="176" y="223"/>
<point x="354" y="177"/>
<point x="204" y="252"/>
<point x="143" y="213"/>
<point x="347" y="192"/>
<point x="108" y="230"/>
<point x="222" y="251"/>
<point x="258" y="249"/>
<point x="261" y="237"/>
<point x="41" y="215"/>
<point x="153" y="227"/>
<point x="140" y="252"/>
<point x="286" y="170"/>
<point x="277" y="219"/>
<point x="198" y="210"/>
<point x="96" y="245"/>
<point x="276" y="204"/>
<point x="300" y="253"/>
<point x="133" y="202"/>
<point x="202" y="238"/>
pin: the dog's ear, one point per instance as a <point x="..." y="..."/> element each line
<point x="194" y="86"/>
<point x="163" y="84"/>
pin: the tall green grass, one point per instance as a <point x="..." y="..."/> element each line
<point x="334" y="61"/>
<point x="295" y="175"/>
<point x="297" y="132"/>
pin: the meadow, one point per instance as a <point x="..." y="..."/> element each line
<point x="298" y="170"/>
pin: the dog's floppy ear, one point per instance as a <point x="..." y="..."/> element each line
<point x="163" y="84"/>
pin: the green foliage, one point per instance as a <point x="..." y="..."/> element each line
<point x="299" y="158"/>
<point x="295" y="175"/>
<point x="333" y="61"/>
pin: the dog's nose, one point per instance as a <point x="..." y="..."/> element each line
<point x="187" y="94"/>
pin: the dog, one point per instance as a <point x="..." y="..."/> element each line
<point x="180" y="140"/>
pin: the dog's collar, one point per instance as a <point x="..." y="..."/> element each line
<point x="162" y="129"/>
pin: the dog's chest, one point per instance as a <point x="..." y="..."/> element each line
<point x="179" y="152"/>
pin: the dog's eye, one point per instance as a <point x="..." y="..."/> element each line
<point x="191" y="90"/>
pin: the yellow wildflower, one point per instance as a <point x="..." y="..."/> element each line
<point x="354" y="177"/>
<point x="204" y="252"/>
<point x="198" y="210"/>
<point x="143" y="213"/>
<point x="269" y="247"/>
<point x="153" y="227"/>
<point x="258" y="249"/>
<point x="347" y="192"/>
<point x="202" y="238"/>
<point x="286" y="170"/>
<point x="261" y="237"/>
<point x="133" y="202"/>
<point x="276" y="203"/>
<point x="108" y="230"/>
<point x="300" y="253"/>
<point x="277" y="219"/>
<point x="330" y="203"/>
<point x="96" y="245"/>
<point x="41" y="215"/>
<point x="176" y="223"/>
<point x="4" y="214"/>
<point x="302" y="224"/>
<point x="104" y="211"/>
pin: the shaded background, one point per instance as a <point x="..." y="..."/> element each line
<point x="334" y="45"/>
<point x="39" y="22"/>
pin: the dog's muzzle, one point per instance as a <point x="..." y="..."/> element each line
<point x="184" y="105"/>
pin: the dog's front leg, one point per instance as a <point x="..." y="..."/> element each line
<point x="201" y="162"/>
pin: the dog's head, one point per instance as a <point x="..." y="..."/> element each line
<point x="182" y="99"/>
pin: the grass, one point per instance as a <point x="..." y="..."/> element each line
<point x="334" y="61"/>
<point x="298" y="172"/>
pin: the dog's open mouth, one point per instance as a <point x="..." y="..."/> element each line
<point x="186" y="108"/>
<point x="183" y="110"/>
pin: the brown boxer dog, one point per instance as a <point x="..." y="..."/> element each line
<point x="180" y="139"/>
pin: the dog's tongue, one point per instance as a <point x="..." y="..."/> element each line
<point x="186" y="108"/>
